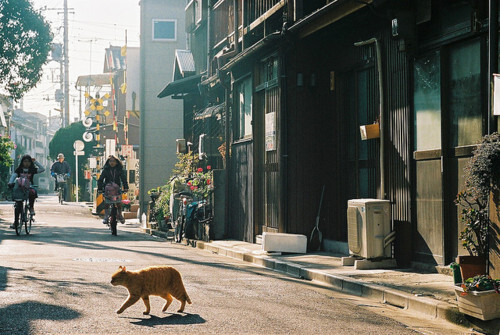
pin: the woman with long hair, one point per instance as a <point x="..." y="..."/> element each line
<point x="27" y="168"/>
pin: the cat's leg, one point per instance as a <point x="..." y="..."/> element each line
<point x="169" y="299"/>
<point x="129" y="302"/>
<point x="145" y="299"/>
<point x="183" y="304"/>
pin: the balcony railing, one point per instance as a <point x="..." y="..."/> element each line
<point x="223" y="15"/>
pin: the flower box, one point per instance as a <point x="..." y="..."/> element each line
<point x="484" y="305"/>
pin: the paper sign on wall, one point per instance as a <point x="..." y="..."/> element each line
<point x="496" y="94"/>
<point x="270" y="132"/>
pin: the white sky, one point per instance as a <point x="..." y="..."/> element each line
<point x="93" y="26"/>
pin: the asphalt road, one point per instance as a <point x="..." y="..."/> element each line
<point x="57" y="281"/>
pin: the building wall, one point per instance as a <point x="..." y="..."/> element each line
<point x="162" y="118"/>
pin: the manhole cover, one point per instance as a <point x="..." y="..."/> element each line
<point x="101" y="260"/>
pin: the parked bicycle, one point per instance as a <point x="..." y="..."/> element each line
<point x="179" y="223"/>
<point x="21" y="204"/>
<point x="61" y="186"/>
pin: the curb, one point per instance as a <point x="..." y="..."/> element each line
<point x="423" y="305"/>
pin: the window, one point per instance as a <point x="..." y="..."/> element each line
<point x="427" y="102"/>
<point x="164" y="30"/>
<point x="465" y="94"/>
<point x="243" y="106"/>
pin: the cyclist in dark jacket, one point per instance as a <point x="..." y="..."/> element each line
<point x="113" y="172"/>
<point x="61" y="167"/>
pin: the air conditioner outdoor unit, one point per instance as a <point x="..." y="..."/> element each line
<point x="369" y="228"/>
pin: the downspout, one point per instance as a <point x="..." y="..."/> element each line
<point x="209" y="18"/>
<point x="236" y="30"/>
<point x="381" y="109"/>
<point x="142" y="191"/>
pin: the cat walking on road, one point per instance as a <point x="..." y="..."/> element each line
<point x="163" y="281"/>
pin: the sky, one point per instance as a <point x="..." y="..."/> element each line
<point x="93" y="25"/>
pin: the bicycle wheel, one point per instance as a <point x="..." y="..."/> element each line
<point x="29" y="222"/>
<point x="19" y="225"/>
<point x="60" y="195"/>
<point x="178" y="229"/>
<point x="112" y="220"/>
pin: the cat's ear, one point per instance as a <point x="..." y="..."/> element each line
<point x="124" y="268"/>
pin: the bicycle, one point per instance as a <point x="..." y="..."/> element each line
<point x="112" y="201"/>
<point x="61" y="186"/>
<point x="26" y="217"/>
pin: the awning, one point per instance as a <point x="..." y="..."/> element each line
<point x="181" y="86"/>
<point x="95" y="79"/>
<point x="210" y="111"/>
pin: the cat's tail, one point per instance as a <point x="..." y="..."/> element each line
<point x="187" y="298"/>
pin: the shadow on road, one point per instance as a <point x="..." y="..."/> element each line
<point x="16" y="318"/>
<point x="172" y="319"/>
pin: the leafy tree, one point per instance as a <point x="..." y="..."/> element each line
<point x="25" y="43"/>
<point x="63" y="143"/>
<point x="6" y="161"/>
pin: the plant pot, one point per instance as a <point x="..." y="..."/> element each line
<point x="484" y="305"/>
<point x="471" y="266"/>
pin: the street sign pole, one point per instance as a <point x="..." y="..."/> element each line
<point x="78" y="146"/>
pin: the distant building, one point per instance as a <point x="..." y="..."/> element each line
<point x="30" y="134"/>
<point x="162" y="32"/>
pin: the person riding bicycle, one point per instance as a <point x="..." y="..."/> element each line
<point x="61" y="167"/>
<point x="24" y="175"/>
<point x="112" y="173"/>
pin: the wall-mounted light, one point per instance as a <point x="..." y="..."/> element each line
<point x="300" y="79"/>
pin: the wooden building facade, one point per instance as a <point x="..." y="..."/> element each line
<point x="298" y="79"/>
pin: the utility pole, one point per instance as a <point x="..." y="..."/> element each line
<point x="66" y="66"/>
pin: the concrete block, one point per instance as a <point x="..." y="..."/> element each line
<point x="366" y="264"/>
<point x="294" y="243"/>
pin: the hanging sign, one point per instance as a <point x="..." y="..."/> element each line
<point x="270" y="131"/>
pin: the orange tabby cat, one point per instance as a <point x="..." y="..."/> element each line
<point x="163" y="281"/>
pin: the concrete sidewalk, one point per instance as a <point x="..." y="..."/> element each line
<point x="430" y="294"/>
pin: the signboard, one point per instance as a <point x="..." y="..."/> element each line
<point x="92" y="162"/>
<point x="496" y="94"/>
<point x="270" y="131"/>
<point x="127" y="150"/>
<point x="110" y="148"/>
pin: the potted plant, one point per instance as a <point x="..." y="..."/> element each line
<point x="479" y="296"/>
<point x="482" y="179"/>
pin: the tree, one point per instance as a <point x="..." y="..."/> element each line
<point x="63" y="143"/>
<point x="6" y="161"/>
<point x="25" y="43"/>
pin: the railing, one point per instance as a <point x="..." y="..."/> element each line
<point x="222" y="21"/>
<point x="257" y="8"/>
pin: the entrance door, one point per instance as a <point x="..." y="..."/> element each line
<point x="448" y="122"/>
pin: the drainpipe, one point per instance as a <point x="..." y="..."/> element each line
<point x="493" y="58"/>
<point x="142" y="186"/>
<point x="236" y="25"/>
<point x="209" y="19"/>
<point x="381" y="109"/>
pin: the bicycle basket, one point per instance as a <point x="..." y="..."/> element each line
<point x="112" y="193"/>
<point x="60" y="178"/>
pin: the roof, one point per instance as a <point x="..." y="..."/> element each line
<point x="181" y="86"/>
<point x="210" y="111"/>
<point x="94" y="79"/>
<point x="184" y="64"/>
